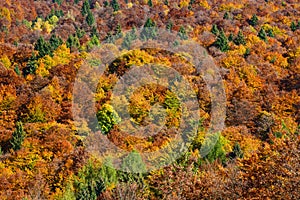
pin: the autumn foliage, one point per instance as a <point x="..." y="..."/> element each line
<point x="43" y="151"/>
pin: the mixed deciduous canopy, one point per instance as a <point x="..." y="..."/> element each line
<point x="43" y="44"/>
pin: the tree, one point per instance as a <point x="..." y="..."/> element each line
<point x="169" y="26"/>
<point x="31" y="66"/>
<point x="105" y="3"/>
<point x="90" y="18"/>
<point x="115" y="5"/>
<point x="80" y="32"/>
<point x="226" y="15"/>
<point x="254" y="20"/>
<point x="191" y="4"/>
<point x="17" y="70"/>
<point x="149" y="30"/>
<point x="89" y="184"/>
<point x="108" y="173"/>
<point x="94" y="31"/>
<point x="73" y="41"/>
<point x="247" y="53"/>
<point x="262" y="34"/>
<point x="107" y="118"/>
<point x="129" y="37"/>
<point x="133" y="164"/>
<point x="293" y="26"/>
<point x="240" y="39"/>
<point x="59" y="2"/>
<point x="55" y="41"/>
<point x="118" y="31"/>
<point x="85" y="7"/>
<point x="270" y="33"/>
<point x="182" y="33"/>
<point x="236" y="152"/>
<point x="166" y="2"/>
<point x="109" y="38"/>
<point x="18" y="137"/>
<point x="43" y="47"/>
<point x="230" y="37"/>
<point x="215" y="29"/>
<point x="222" y="42"/>
<point x="217" y="152"/>
<point x="150" y="3"/>
<point x="94" y="41"/>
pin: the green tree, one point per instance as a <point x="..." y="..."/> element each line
<point x="190" y="6"/>
<point x="88" y="183"/>
<point x="108" y="173"/>
<point x="240" y="39"/>
<point x="115" y="5"/>
<point x="59" y="2"/>
<point x="107" y="118"/>
<point x="270" y="33"/>
<point x="230" y="37"/>
<point x="105" y="3"/>
<point x="150" y="3"/>
<point x="262" y="34"/>
<point x="43" y="47"/>
<point x="134" y="165"/>
<point x="85" y="8"/>
<point x="94" y="31"/>
<point x="90" y="18"/>
<point x="18" y="137"/>
<point x="73" y="42"/>
<point x="215" y="29"/>
<point x="293" y="26"/>
<point x="169" y="26"/>
<point x="247" y="53"/>
<point x="166" y="2"/>
<point x="149" y="30"/>
<point x="217" y="152"/>
<point x="129" y="37"/>
<point x="31" y="66"/>
<point x="110" y="38"/>
<point x="226" y="15"/>
<point x="236" y="152"/>
<point x="222" y="42"/>
<point x="254" y="20"/>
<point x="17" y="70"/>
<point x="94" y="42"/>
<point x="118" y="31"/>
<point x="55" y="41"/>
<point x="182" y="33"/>
<point x="80" y="32"/>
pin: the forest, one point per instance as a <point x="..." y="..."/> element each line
<point x="148" y="99"/>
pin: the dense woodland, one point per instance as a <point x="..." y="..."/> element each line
<point x="43" y="44"/>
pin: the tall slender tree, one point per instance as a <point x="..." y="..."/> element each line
<point x="90" y="18"/>
<point x="240" y="39"/>
<point x="149" y="30"/>
<point x="262" y="34"/>
<point x="215" y="29"/>
<point x="85" y="7"/>
<point x="182" y="33"/>
<point x="18" y="137"/>
<point x="115" y="5"/>
<point x="222" y="42"/>
<point x="254" y="20"/>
